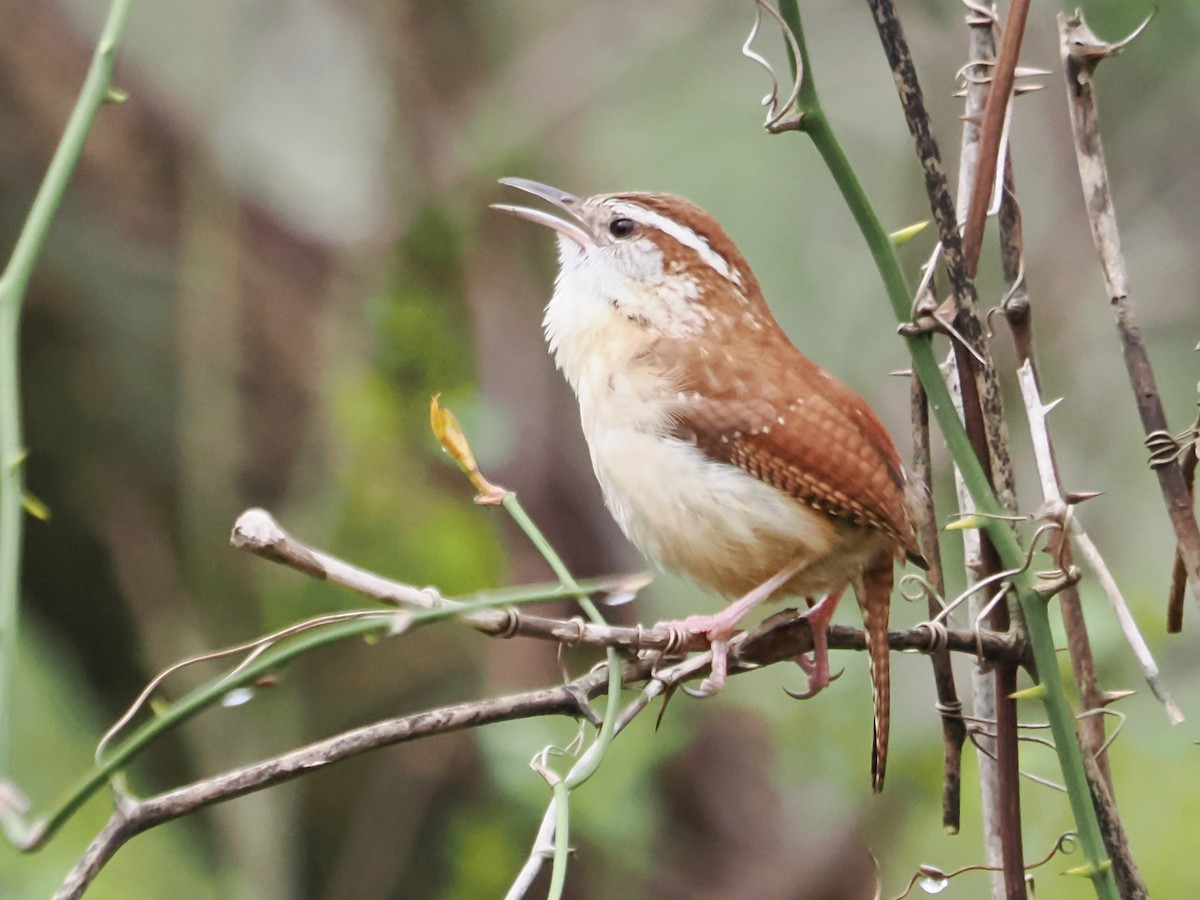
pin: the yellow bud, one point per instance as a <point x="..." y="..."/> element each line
<point x="450" y="435"/>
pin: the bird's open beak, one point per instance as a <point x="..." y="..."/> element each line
<point x="572" y="230"/>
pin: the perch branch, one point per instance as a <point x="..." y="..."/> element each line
<point x="779" y="638"/>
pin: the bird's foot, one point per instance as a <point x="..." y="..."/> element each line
<point x="720" y="627"/>
<point x="715" y="681"/>
<point x="717" y="630"/>
<point x="817" y="669"/>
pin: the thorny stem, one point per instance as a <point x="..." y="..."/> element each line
<point x="986" y="110"/>
<point x="1058" y="710"/>
<point x="14" y="283"/>
<point x="999" y="97"/>
<point x="1125" y="869"/>
<point x="1018" y="313"/>
<point x="1081" y="52"/>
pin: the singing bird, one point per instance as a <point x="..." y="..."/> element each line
<point x="722" y="451"/>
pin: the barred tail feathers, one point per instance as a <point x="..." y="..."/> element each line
<point x="874" y="592"/>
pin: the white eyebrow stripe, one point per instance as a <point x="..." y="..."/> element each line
<point x="684" y="235"/>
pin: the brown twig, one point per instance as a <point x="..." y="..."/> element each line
<point x="1081" y="52"/>
<point x="256" y="531"/>
<point x="1125" y="870"/>
<point x="1187" y="465"/>
<point x="954" y="730"/>
<point x="991" y="131"/>
<point x="132" y="818"/>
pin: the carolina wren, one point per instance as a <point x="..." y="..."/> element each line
<point x="722" y="451"/>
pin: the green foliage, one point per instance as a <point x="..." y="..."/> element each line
<point x="420" y="322"/>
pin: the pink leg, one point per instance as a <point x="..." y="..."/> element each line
<point x="819" y="618"/>
<point x="720" y="627"/>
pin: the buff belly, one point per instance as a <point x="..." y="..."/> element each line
<point x="718" y="524"/>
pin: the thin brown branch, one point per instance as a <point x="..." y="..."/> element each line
<point x="996" y="779"/>
<point x="1081" y="52"/>
<point x="992" y="130"/>
<point x="986" y="685"/>
<point x="1179" y="571"/>
<point x="983" y="407"/>
<point x="954" y="730"/>
<point x="133" y="818"/>
<point x="783" y="641"/>
<point x="1125" y="870"/>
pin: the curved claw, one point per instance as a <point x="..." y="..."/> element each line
<point x="814" y="689"/>
<point x="706" y="689"/>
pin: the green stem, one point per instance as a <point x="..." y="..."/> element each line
<point x="14" y="283"/>
<point x="1062" y="721"/>
<point x="594" y="755"/>
<point x="562" y="845"/>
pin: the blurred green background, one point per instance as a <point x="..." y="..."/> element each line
<point x="280" y="247"/>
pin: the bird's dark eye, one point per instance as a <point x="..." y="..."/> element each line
<point x="622" y="228"/>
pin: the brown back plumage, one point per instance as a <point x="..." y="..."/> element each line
<point x="782" y="435"/>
